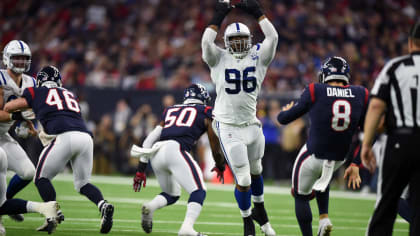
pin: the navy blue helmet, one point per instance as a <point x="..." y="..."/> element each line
<point x="48" y="76"/>
<point x="334" y="68"/>
<point x="196" y="93"/>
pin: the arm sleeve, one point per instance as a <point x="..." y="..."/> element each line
<point x="29" y="95"/>
<point x="269" y="45"/>
<point x="211" y="53"/>
<point x="299" y="109"/>
<point x="152" y="137"/>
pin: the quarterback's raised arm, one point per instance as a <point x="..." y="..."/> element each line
<point x="211" y="52"/>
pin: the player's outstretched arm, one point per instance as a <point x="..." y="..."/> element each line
<point x="211" y="53"/>
<point x="269" y="45"/>
<point x="216" y="151"/>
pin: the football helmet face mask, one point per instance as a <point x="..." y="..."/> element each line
<point x="49" y="77"/>
<point x="334" y="68"/>
<point x="238" y="39"/>
<point x="196" y="93"/>
<point x="17" y="56"/>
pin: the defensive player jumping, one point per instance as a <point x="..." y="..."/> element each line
<point x="65" y="138"/>
<point x="17" y="58"/>
<point x="238" y="72"/>
<point x="336" y="110"/>
<point x="180" y="128"/>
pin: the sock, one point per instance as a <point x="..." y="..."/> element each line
<point x="197" y="196"/>
<point x="193" y="211"/>
<point x="244" y="202"/>
<point x="32" y="207"/>
<point x="322" y="200"/>
<point x="257" y="189"/>
<point x="92" y="193"/>
<point x="304" y="216"/>
<point x="13" y="206"/>
<point x="15" y="185"/>
<point x="45" y="189"/>
<point x="158" y="202"/>
<point x="404" y="210"/>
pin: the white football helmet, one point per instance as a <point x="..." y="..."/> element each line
<point x="13" y="49"/>
<point x="238" y="48"/>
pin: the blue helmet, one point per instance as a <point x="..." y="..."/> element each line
<point x="196" y="93"/>
<point x="48" y="76"/>
<point x="334" y="68"/>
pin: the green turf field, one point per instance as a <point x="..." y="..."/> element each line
<point x="220" y="216"/>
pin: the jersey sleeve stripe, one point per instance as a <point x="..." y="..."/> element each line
<point x="2" y="76"/>
<point x="258" y="46"/>
<point x="312" y="91"/>
<point x="366" y="96"/>
<point x="31" y="90"/>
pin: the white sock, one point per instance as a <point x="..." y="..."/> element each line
<point x="158" y="202"/>
<point x="193" y="211"/>
<point x="32" y="207"/>
<point x="246" y="213"/>
<point x="100" y="204"/>
<point x="258" y="199"/>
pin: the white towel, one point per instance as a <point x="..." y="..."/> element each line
<point x="145" y="153"/>
<point x="327" y="172"/>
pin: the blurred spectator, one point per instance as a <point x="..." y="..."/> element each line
<point x="294" y="136"/>
<point x="121" y="116"/>
<point x="104" y="149"/>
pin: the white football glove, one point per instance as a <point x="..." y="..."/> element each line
<point x="22" y="130"/>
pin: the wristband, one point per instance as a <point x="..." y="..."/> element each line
<point x="16" y="116"/>
<point x="142" y="167"/>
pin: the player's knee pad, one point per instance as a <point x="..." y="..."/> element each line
<point x="28" y="173"/>
<point x="243" y="178"/>
<point x="256" y="167"/>
<point x="169" y="198"/>
<point x="197" y="196"/>
<point x="307" y="197"/>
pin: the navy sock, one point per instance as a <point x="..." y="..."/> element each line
<point x="15" y="185"/>
<point x="92" y="192"/>
<point x="197" y="196"/>
<point x="243" y="199"/>
<point x="322" y="200"/>
<point x="404" y="210"/>
<point x="304" y="216"/>
<point x="257" y="186"/>
<point x="169" y="198"/>
<point x="45" y="189"/>
<point x="13" y="207"/>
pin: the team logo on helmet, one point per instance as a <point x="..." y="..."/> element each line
<point x="49" y="76"/>
<point x="334" y="68"/>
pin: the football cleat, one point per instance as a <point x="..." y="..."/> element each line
<point x="260" y="216"/>
<point x="249" y="227"/>
<point x="17" y="217"/>
<point x="59" y="219"/>
<point x="325" y="227"/>
<point x="190" y="232"/>
<point x="49" y="210"/>
<point x="146" y="219"/>
<point x="107" y="211"/>
<point x="2" y="229"/>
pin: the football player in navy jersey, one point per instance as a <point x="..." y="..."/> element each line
<point x="168" y="148"/>
<point x="65" y="138"/>
<point x="336" y="111"/>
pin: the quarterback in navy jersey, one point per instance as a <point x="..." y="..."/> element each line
<point x="336" y="111"/>
<point x="65" y="138"/>
<point x="167" y="147"/>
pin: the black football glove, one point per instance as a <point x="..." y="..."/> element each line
<point x="220" y="11"/>
<point x="251" y="7"/>
<point x="220" y="169"/>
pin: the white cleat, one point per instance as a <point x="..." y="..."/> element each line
<point x="49" y="210"/>
<point x="2" y="229"/>
<point x="268" y="230"/>
<point x="146" y="219"/>
<point x="325" y="227"/>
<point x="189" y="232"/>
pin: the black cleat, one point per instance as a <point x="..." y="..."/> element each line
<point x="59" y="219"/>
<point x="249" y="228"/>
<point x="107" y="211"/>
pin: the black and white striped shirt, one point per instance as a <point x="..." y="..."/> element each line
<point x="398" y="85"/>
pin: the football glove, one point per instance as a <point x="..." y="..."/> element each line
<point x="138" y="181"/>
<point x="220" y="169"/>
<point x="251" y="7"/>
<point x="220" y="11"/>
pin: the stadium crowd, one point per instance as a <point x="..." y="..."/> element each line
<point x="155" y="45"/>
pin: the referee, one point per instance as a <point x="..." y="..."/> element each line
<point x="396" y="95"/>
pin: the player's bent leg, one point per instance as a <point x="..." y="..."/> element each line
<point x="195" y="203"/>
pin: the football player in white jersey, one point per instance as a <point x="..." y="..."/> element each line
<point x="238" y="71"/>
<point x="17" y="59"/>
